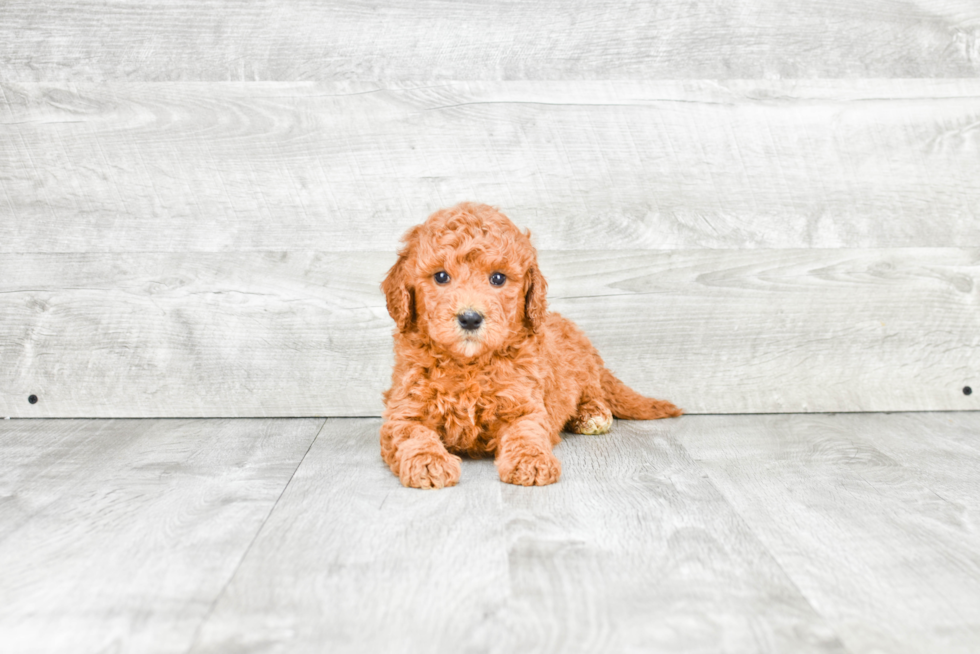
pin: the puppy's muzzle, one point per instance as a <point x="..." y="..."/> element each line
<point x="469" y="320"/>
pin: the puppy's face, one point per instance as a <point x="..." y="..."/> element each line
<point x="470" y="305"/>
<point x="467" y="279"/>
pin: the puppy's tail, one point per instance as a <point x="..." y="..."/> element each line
<point x="627" y="403"/>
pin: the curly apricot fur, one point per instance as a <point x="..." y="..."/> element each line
<point x="507" y="388"/>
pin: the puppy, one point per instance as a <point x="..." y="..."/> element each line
<point x="481" y="366"/>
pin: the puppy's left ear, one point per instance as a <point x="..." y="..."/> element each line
<point x="399" y="297"/>
<point x="535" y="292"/>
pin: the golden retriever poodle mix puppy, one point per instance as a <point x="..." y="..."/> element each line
<point x="481" y="366"/>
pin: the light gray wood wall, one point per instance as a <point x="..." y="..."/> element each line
<point x="750" y="208"/>
<point x="126" y="167"/>
<point x="307" y="333"/>
<point x="259" y="40"/>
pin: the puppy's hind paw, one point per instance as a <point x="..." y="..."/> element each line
<point x="429" y="469"/>
<point x="529" y="468"/>
<point x="591" y="418"/>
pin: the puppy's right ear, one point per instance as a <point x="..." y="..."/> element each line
<point x="399" y="296"/>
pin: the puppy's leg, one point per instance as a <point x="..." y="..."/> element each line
<point x="524" y="454"/>
<point x="417" y="456"/>
<point x="593" y="416"/>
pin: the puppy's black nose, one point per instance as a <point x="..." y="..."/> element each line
<point x="469" y="320"/>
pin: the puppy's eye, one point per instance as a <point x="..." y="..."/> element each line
<point x="497" y="279"/>
<point x="441" y="277"/>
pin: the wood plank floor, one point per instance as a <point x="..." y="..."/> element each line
<point x="803" y="533"/>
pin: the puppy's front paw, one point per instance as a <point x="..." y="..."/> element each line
<point x="529" y="468"/>
<point x="429" y="469"/>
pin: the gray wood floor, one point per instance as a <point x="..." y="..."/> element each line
<point x="825" y="533"/>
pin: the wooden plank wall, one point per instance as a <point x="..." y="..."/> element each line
<point x="759" y="207"/>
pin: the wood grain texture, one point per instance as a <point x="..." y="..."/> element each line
<point x="883" y="542"/>
<point x="307" y="333"/>
<point x="239" y="334"/>
<point x="353" y="561"/>
<point x="440" y="39"/>
<point x="632" y="551"/>
<point x="849" y="533"/>
<point x="349" y="166"/>
<point x="118" y="535"/>
<point x="941" y="451"/>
